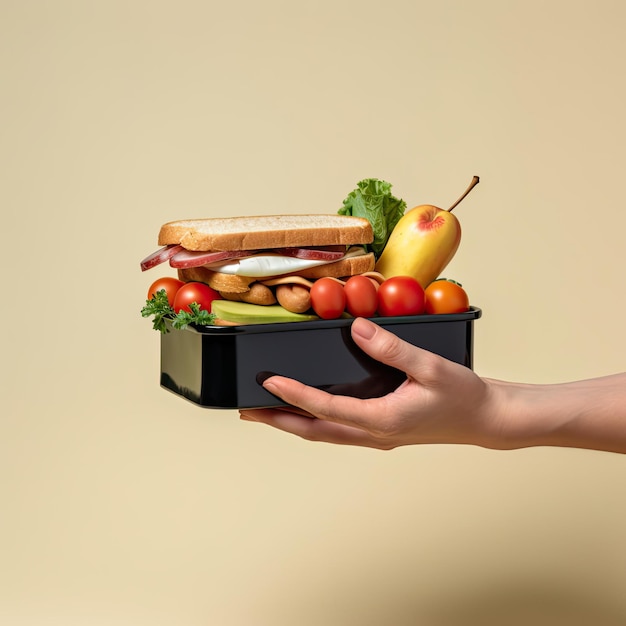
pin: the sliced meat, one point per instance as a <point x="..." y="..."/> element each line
<point x="160" y="256"/>
<point x="189" y="258"/>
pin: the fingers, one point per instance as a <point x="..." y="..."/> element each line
<point x="313" y="429"/>
<point x="326" y="406"/>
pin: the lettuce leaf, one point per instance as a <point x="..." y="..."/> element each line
<point x="372" y="199"/>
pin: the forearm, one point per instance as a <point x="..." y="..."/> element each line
<point x="583" y="414"/>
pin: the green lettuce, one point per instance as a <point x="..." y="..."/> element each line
<point x="372" y="200"/>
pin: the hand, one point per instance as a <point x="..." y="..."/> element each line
<point x="440" y="402"/>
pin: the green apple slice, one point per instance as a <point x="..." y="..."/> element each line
<point x="246" y="313"/>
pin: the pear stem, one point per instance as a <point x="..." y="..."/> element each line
<point x="473" y="184"/>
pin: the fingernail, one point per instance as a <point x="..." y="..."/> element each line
<point x="270" y="386"/>
<point x="363" y="328"/>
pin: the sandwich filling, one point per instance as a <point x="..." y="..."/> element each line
<point x="253" y="263"/>
<point x="266" y="264"/>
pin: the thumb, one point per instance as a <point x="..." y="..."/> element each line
<point x="388" y="348"/>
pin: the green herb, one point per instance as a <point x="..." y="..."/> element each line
<point x="159" y="308"/>
<point x="197" y="316"/>
<point x="372" y="200"/>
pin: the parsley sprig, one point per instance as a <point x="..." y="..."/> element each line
<point x="160" y="310"/>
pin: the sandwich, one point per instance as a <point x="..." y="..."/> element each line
<point x="266" y="260"/>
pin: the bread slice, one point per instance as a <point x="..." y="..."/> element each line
<point x="232" y="283"/>
<point x="343" y="268"/>
<point x="266" y="231"/>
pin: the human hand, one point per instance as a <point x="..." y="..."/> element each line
<point x="440" y="402"/>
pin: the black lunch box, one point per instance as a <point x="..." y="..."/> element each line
<point x="222" y="367"/>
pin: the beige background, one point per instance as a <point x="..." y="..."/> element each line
<point x="122" y="504"/>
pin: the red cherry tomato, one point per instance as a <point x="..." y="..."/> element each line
<point x="169" y="284"/>
<point x="400" y="295"/>
<point x="328" y="298"/>
<point x="361" y="296"/>
<point x="200" y="293"/>
<point x="446" y="296"/>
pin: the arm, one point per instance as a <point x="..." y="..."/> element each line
<point x="444" y="402"/>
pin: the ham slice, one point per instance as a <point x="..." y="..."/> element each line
<point x="160" y="256"/>
<point x="181" y="258"/>
<point x="188" y="258"/>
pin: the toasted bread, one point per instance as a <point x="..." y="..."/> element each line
<point x="266" y="231"/>
<point x="230" y="283"/>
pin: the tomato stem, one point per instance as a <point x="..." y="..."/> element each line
<point x="475" y="181"/>
<point x="449" y="280"/>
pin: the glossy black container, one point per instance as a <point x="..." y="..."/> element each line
<point x="222" y="366"/>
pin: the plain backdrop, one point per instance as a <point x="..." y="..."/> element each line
<point x="123" y="504"/>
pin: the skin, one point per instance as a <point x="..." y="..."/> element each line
<point x="444" y="402"/>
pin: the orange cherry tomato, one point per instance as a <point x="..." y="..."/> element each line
<point x="446" y="296"/>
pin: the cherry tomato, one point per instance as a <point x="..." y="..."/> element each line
<point x="171" y="286"/>
<point x="195" y="292"/>
<point x="361" y="296"/>
<point x="400" y="295"/>
<point x="446" y="296"/>
<point x="328" y="298"/>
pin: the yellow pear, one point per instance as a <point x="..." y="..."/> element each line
<point x="423" y="242"/>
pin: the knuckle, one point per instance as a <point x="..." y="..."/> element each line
<point x="309" y="433"/>
<point x="390" y="348"/>
<point x="434" y="369"/>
